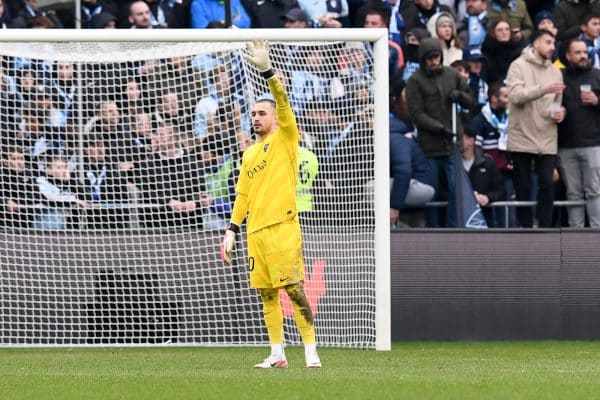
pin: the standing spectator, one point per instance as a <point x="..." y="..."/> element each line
<point x="515" y="12"/>
<point x="169" y="13"/>
<point x="535" y="92"/>
<point x="417" y="13"/>
<point x="16" y="189"/>
<point x="442" y="27"/>
<point x="171" y="183"/>
<point x="104" y="186"/>
<point x="590" y="35"/>
<point x="326" y="13"/>
<point x="205" y="11"/>
<point x="90" y="9"/>
<point x="272" y="14"/>
<point x="578" y="135"/>
<point x="491" y="128"/>
<point x="139" y="16"/>
<point x="430" y="93"/>
<point x="569" y="14"/>
<point x="500" y="50"/>
<point x="411" y="51"/>
<point x="58" y="192"/>
<point x="475" y="58"/>
<point x="473" y="27"/>
<point x="485" y="179"/>
<point x="377" y="15"/>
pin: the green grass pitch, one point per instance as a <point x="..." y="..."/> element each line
<point x="480" y="370"/>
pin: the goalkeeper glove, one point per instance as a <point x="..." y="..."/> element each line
<point x="229" y="242"/>
<point x="258" y="54"/>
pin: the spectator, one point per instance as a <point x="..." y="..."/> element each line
<point x="578" y="139"/>
<point x="411" y="51"/>
<point x="485" y="179"/>
<point x="58" y="192"/>
<point x="590" y="35"/>
<point x="222" y="107"/>
<point x="475" y="58"/>
<point x="473" y="27"/>
<point x="413" y="184"/>
<point x="91" y="9"/>
<point x="169" y="14"/>
<point x="109" y="126"/>
<point x="38" y="140"/>
<point x="3" y="16"/>
<point x="221" y="161"/>
<point x="442" y="26"/>
<point x="417" y="13"/>
<point x="326" y="13"/>
<point x="273" y="14"/>
<point x="430" y="93"/>
<point x="545" y="20"/>
<point x="535" y="92"/>
<point x="27" y="86"/>
<point x="171" y="184"/>
<point x="169" y="111"/>
<point x="491" y="128"/>
<point x="569" y="14"/>
<point x="142" y="136"/>
<point x="17" y="189"/>
<point x="104" y="20"/>
<point x="204" y="11"/>
<point x="500" y="50"/>
<point x="377" y="15"/>
<point x="139" y="16"/>
<point x="64" y="91"/>
<point x="29" y="16"/>
<point x="105" y="187"/>
<point x="515" y="13"/>
<point x="295" y="18"/>
<point x="463" y="68"/>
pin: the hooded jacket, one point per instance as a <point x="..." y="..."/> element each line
<point x="451" y="53"/>
<point x="530" y="128"/>
<point x="429" y="104"/>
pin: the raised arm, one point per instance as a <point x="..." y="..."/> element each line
<point x="258" y="55"/>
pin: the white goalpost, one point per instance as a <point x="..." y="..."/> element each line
<point x="120" y="150"/>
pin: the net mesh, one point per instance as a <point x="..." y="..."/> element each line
<point x="117" y="180"/>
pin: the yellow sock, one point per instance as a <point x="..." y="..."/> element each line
<point x="273" y="314"/>
<point x="302" y="313"/>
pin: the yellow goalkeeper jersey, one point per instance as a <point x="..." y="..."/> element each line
<point x="269" y="170"/>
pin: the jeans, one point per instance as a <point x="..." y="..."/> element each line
<point x="443" y="165"/>
<point x="580" y="168"/>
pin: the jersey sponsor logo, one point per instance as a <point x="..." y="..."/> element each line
<point x="266" y="147"/>
<point x="258" y="168"/>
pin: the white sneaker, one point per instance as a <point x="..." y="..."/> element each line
<point x="273" y="361"/>
<point x="313" y="360"/>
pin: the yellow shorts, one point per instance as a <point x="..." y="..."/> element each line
<point x="275" y="255"/>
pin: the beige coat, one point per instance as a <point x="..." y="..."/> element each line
<point x="530" y="128"/>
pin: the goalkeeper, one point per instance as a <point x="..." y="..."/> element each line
<point x="266" y="194"/>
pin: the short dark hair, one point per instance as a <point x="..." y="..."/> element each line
<point x="494" y="88"/>
<point x="461" y="63"/>
<point x="539" y="33"/>
<point x="375" y="7"/>
<point x="587" y="17"/>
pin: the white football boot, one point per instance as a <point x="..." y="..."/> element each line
<point x="312" y="359"/>
<point x="273" y="361"/>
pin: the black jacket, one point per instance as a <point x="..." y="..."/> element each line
<point x="429" y="104"/>
<point x="499" y="55"/>
<point x="486" y="180"/>
<point x="581" y="126"/>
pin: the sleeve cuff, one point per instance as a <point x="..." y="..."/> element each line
<point x="268" y="74"/>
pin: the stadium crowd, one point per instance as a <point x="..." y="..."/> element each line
<point x="523" y="76"/>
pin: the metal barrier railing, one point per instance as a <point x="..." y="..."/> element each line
<point x="512" y="203"/>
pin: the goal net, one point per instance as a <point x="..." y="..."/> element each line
<point x="119" y="160"/>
